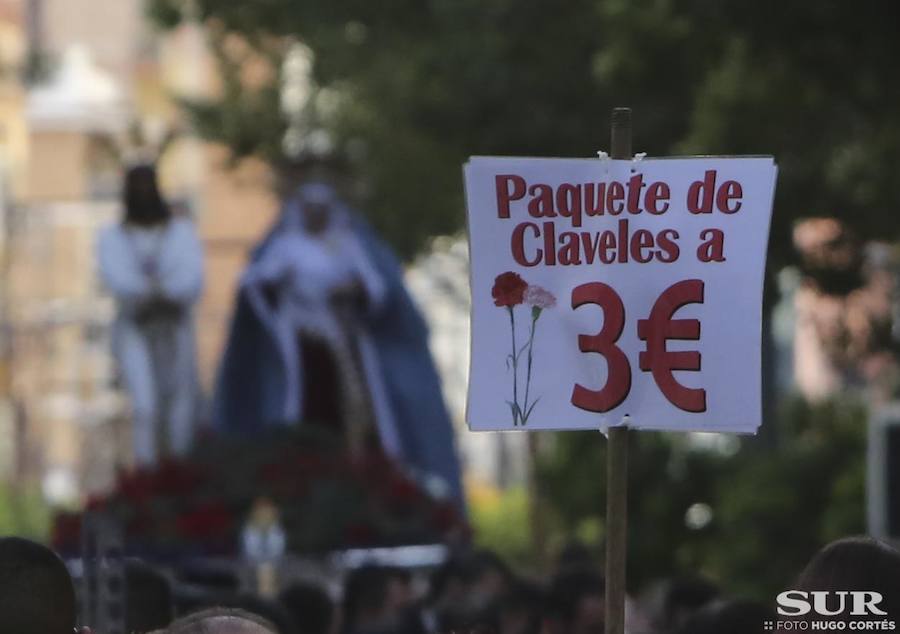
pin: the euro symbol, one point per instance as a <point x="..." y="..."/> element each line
<point x="658" y="330"/>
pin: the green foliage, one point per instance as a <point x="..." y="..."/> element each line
<point x="166" y="15"/>
<point x="776" y="508"/>
<point x="423" y="85"/>
<point x="772" y="506"/>
<point x="666" y="477"/>
<point x="416" y="87"/>
<point x="502" y="525"/>
<point x="24" y="513"/>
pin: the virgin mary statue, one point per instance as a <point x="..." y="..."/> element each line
<point x="325" y="332"/>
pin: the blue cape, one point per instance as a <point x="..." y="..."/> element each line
<point x="250" y="386"/>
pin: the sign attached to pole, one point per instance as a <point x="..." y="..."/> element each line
<point x="609" y="290"/>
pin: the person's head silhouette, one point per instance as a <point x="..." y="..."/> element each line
<point x="36" y="591"/>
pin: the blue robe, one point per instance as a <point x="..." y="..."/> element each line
<point x="251" y="386"/>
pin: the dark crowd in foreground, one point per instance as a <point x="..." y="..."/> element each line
<point x="472" y="592"/>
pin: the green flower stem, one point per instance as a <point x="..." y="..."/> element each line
<point x="535" y="314"/>
<point x="515" y="359"/>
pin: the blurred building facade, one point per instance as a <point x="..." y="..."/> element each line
<point x="86" y="87"/>
<point x="846" y="314"/>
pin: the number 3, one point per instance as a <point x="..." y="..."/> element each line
<point x="618" y="381"/>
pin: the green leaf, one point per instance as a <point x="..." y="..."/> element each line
<point x="530" y="409"/>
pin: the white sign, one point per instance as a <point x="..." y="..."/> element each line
<point x="609" y="289"/>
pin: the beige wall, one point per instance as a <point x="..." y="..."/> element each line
<point x="112" y="29"/>
<point x="62" y="375"/>
<point x="13" y="137"/>
<point x="57" y="167"/>
<point x="237" y="209"/>
<point x="13" y="130"/>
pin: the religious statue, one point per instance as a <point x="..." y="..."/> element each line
<point x="326" y="333"/>
<point x="152" y="264"/>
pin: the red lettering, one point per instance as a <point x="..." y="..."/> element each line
<point x="594" y="204"/>
<point x="642" y="239"/>
<point x="541" y="203"/>
<point x="504" y="195"/>
<point x="568" y="202"/>
<point x="618" y="375"/>
<point x="615" y="194"/>
<point x="635" y="184"/>
<point x="589" y="246"/>
<point x="729" y="191"/>
<point x="550" y="244"/>
<point x="568" y="252"/>
<point x="660" y="328"/>
<point x="669" y="249"/>
<point x="656" y="193"/>
<point x="623" y="241"/>
<point x="518" y="244"/>
<point x="607" y="244"/>
<point x="712" y="249"/>
<point x="706" y="187"/>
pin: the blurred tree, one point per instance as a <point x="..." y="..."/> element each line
<point x="775" y="509"/>
<point x="500" y="523"/>
<point x="25" y="513"/>
<point x="410" y="89"/>
<point x="746" y="515"/>
<point x="407" y="90"/>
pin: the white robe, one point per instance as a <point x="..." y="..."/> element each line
<point x="306" y="269"/>
<point x="156" y="355"/>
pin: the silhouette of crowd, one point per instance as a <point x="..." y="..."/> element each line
<point x="473" y="591"/>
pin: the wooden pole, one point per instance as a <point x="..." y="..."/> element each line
<point x="536" y="511"/>
<point x="617" y="451"/>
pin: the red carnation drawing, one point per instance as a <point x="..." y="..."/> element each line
<point x="509" y="291"/>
